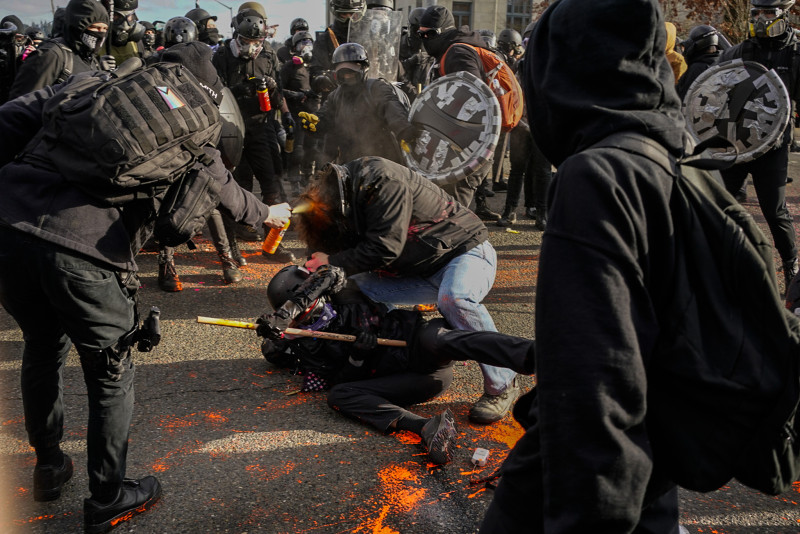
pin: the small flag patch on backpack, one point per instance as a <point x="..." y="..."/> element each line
<point x="170" y="98"/>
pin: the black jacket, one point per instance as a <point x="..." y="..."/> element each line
<point x="45" y="66"/>
<point x="696" y="67"/>
<point x="236" y="74"/>
<point x="324" y="46"/>
<point x="364" y="120"/>
<point x="459" y="58"/>
<point x="605" y="268"/>
<point x="405" y="225"/>
<point x="296" y="81"/>
<point x="45" y="204"/>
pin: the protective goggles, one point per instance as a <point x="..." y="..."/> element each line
<point x="768" y="13"/>
<point x="430" y="33"/>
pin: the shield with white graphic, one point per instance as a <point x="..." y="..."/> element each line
<point x="460" y="121"/>
<point x="741" y="101"/>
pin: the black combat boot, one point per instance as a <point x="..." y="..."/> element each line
<point x="790" y="269"/>
<point x="281" y="255"/>
<point x="482" y="210"/>
<point x="167" y="274"/>
<point x="230" y="270"/>
<point x="508" y="218"/>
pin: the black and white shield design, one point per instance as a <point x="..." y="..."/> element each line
<point x="231" y="139"/>
<point x="460" y="120"/>
<point x="741" y="101"/>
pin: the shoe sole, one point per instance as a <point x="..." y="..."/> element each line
<point x="51" y="494"/>
<point x="105" y="526"/>
<point x="441" y="448"/>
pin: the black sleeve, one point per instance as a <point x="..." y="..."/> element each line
<point x="21" y="119"/>
<point x="463" y="58"/>
<point x="393" y="112"/>
<point x="239" y="203"/>
<point x="38" y="70"/>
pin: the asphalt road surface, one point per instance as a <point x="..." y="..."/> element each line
<point x="238" y="450"/>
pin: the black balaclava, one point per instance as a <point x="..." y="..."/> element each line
<point x="574" y="47"/>
<point x="209" y="36"/>
<point x="79" y="15"/>
<point x="19" y="47"/>
<point x="438" y="17"/>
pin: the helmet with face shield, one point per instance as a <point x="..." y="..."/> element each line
<point x="768" y="18"/>
<point x="345" y="10"/>
<point x="249" y="34"/>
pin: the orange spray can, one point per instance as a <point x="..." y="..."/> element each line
<point x="274" y="238"/>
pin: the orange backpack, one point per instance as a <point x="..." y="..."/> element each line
<point x="503" y="83"/>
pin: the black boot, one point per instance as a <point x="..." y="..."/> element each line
<point x="500" y="185"/>
<point x="281" y="255"/>
<point x="167" y="274"/>
<point x="230" y="270"/>
<point x="482" y="210"/>
<point x="236" y="252"/>
<point x="508" y="218"/>
<point x="790" y="269"/>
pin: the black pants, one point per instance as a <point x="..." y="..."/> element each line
<point x="258" y="159"/>
<point x="381" y="401"/>
<point x="529" y="168"/>
<point x="769" y="174"/>
<point x="58" y="298"/>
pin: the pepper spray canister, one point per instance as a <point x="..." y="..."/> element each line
<point x="263" y="96"/>
<point x="274" y="238"/>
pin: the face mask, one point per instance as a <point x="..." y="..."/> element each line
<point x="347" y="77"/>
<point x="306" y="53"/>
<point x="93" y="40"/>
<point x="149" y="39"/>
<point x="245" y="51"/>
<point x="767" y="23"/>
<point x="210" y="36"/>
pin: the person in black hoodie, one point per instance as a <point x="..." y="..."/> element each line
<point x="585" y="462"/>
<point x="438" y="32"/>
<point x="404" y="240"/>
<point x="68" y="276"/>
<point x="55" y="60"/>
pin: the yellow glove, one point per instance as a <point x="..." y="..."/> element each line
<point x="308" y="121"/>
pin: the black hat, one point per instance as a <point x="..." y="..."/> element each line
<point x="196" y="57"/>
<point x="437" y="17"/>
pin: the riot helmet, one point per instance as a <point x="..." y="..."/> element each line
<point x="344" y="10"/>
<point x="249" y="34"/>
<point x="701" y="38"/>
<point x="298" y="25"/>
<point x="510" y="40"/>
<point x="207" y="31"/>
<point x="385" y="5"/>
<point x="255" y="6"/>
<point x="179" y="30"/>
<point x="350" y="64"/>
<point x="283" y="285"/>
<point x="35" y="35"/>
<point x="768" y="18"/>
<point x="489" y="38"/>
<point x="332" y="171"/>
<point x="414" y="18"/>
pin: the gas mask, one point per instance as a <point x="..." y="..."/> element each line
<point x="304" y="49"/>
<point x="767" y="22"/>
<point x="246" y="48"/>
<point x="126" y="28"/>
<point x="93" y="42"/>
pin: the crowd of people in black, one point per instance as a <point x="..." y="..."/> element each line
<point x="318" y="130"/>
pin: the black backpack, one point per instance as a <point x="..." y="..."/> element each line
<point x="724" y="380"/>
<point x="126" y="135"/>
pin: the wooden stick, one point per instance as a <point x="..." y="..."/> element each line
<point x="299" y="332"/>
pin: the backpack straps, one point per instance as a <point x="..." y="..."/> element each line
<point x="69" y="64"/>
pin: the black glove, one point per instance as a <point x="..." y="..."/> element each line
<point x="365" y="341"/>
<point x="271" y="326"/>
<point x="288" y="122"/>
<point x="107" y="63"/>
<point x="270" y="82"/>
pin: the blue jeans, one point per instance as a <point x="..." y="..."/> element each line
<point x="458" y="289"/>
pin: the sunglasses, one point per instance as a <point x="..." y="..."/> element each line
<point x="429" y="33"/>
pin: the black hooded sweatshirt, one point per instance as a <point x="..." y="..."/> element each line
<point x="585" y="462"/>
<point x="46" y="65"/>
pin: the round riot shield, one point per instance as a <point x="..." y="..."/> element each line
<point x="231" y="139"/>
<point x="741" y="101"/>
<point x="460" y="121"/>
